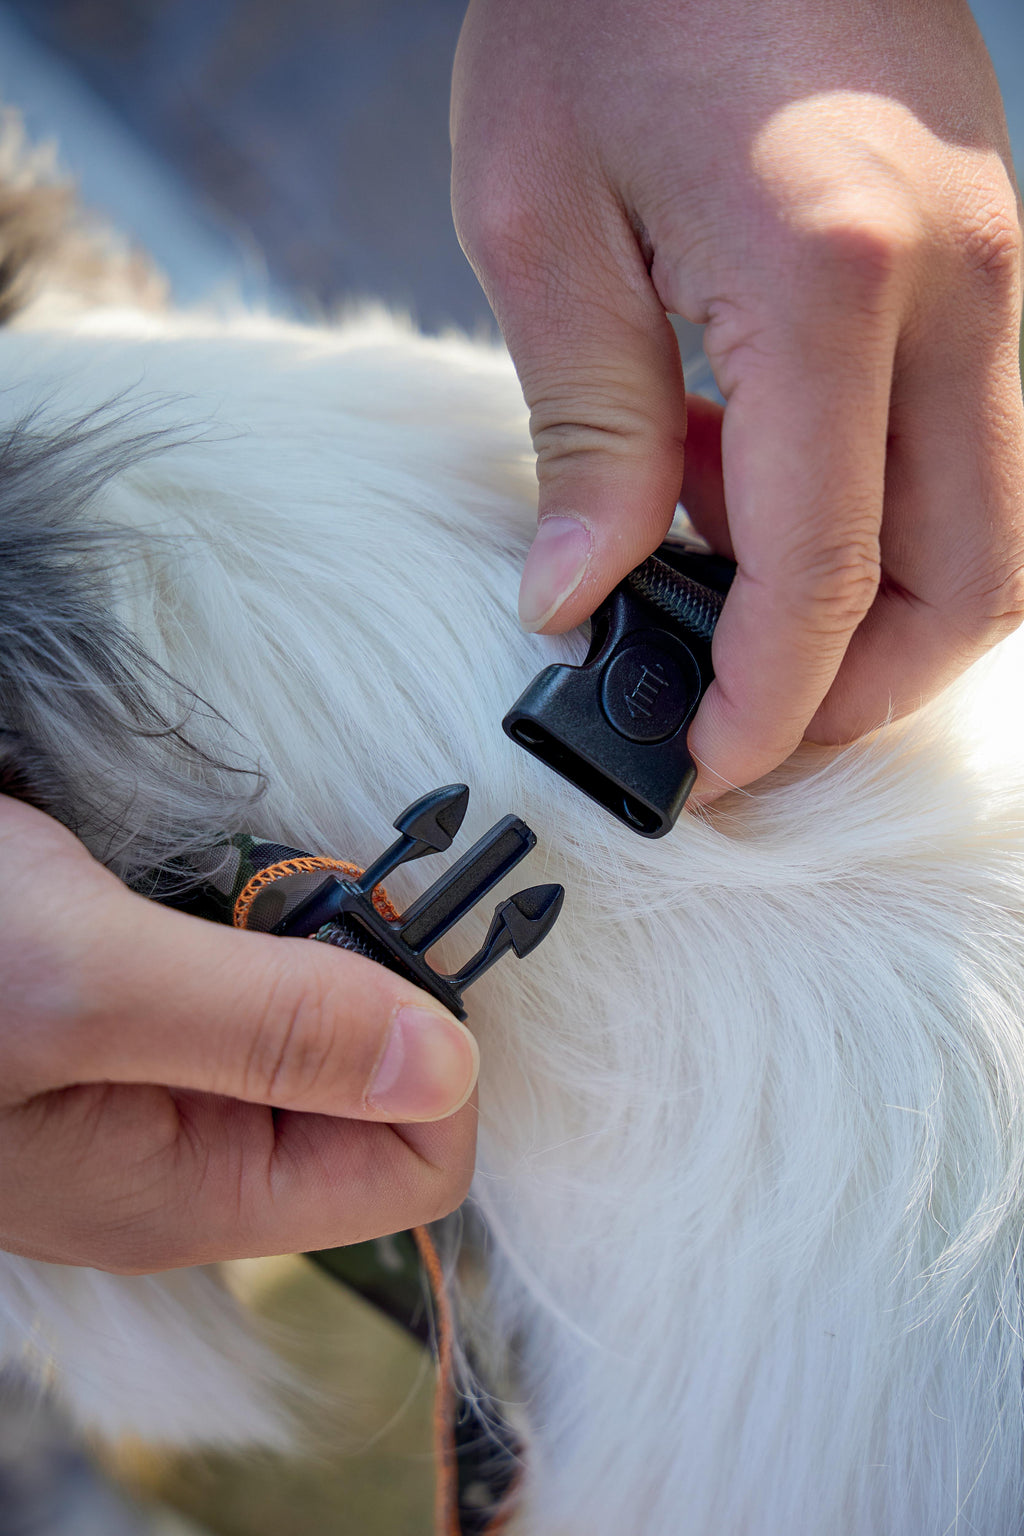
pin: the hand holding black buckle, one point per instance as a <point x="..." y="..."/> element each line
<point x="342" y="912"/>
<point x="616" y="726"/>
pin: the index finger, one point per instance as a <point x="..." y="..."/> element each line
<point x="803" y="455"/>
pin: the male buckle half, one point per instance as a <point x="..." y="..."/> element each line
<point x="342" y="911"/>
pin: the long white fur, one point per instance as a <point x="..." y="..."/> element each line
<point x="752" y="1119"/>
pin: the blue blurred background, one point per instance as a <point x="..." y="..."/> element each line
<point x="298" y="147"/>
<point x="301" y="144"/>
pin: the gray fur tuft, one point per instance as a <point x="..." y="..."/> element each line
<point x="92" y="730"/>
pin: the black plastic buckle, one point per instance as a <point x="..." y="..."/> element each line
<point x="342" y="912"/>
<point x="616" y="725"/>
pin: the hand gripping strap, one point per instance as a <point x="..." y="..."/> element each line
<point x="476" y="1459"/>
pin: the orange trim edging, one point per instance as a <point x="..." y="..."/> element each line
<point x="305" y="864"/>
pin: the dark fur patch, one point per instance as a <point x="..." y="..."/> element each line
<point x="92" y="730"/>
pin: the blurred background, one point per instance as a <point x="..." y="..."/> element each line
<point x="300" y="146"/>
<point x="294" y="153"/>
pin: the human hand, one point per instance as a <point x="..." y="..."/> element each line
<point x="274" y="1136"/>
<point x="828" y="187"/>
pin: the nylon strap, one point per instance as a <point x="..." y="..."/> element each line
<point x="253" y="883"/>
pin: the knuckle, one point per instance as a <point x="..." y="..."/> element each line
<point x="864" y="251"/>
<point x="499" y="227"/>
<point x="992" y="609"/>
<point x="599" y="420"/>
<point x="293" y="1050"/>
<point x="556" y="441"/>
<point x="837" y="586"/>
<point x="993" y="246"/>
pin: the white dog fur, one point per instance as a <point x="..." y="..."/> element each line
<point x="752" y="1119"/>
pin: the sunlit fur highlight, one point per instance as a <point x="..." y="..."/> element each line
<point x="752" y="1119"/>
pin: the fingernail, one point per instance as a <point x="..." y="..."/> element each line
<point x="428" y="1068"/>
<point x="554" y="568"/>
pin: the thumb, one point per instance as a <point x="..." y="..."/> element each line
<point x="599" y="366"/>
<point x="174" y="1000"/>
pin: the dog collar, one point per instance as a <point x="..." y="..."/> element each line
<point x="269" y="887"/>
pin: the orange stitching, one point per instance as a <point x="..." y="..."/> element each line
<point x="305" y="864"/>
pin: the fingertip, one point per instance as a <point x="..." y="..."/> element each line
<point x="732" y="745"/>
<point x="427" y="1068"/>
<point x="706" y="749"/>
<point x="577" y="558"/>
<point x="557" y="563"/>
<point x="707" y="789"/>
